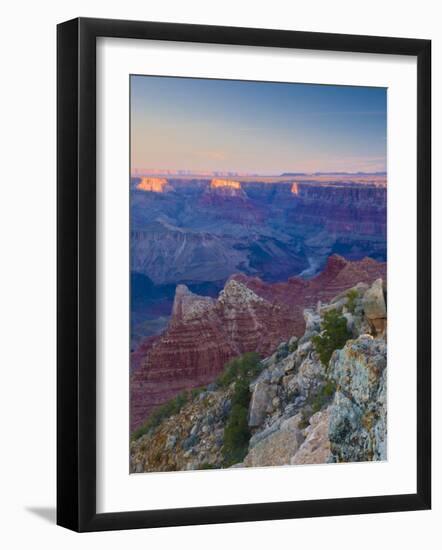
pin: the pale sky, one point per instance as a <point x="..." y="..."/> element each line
<point x="258" y="127"/>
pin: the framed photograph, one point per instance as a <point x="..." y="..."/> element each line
<point x="243" y="274"/>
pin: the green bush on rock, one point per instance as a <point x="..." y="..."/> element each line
<point x="323" y="396"/>
<point x="236" y="436"/>
<point x="242" y="371"/>
<point x="352" y="296"/>
<point x="159" y="414"/>
<point x="334" y="335"/>
<point x="245" y="365"/>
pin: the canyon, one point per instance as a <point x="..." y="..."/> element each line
<point x="179" y="225"/>
<point x="199" y="230"/>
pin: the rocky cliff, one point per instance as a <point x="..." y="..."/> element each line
<point x="168" y="254"/>
<point x="293" y="407"/>
<point x="248" y="315"/>
<point x="226" y="200"/>
<point x="202" y="336"/>
<point x="359" y="210"/>
<point x="298" y="293"/>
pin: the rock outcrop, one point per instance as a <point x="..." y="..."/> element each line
<point x="358" y="425"/>
<point x="300" y="410"/>
<point x="342" y="209"/>
<point x="278" y="447"/>
<point x="248" y="315"/>
<point x="375" y="307"/>
<point x="315" y="448"/>
<point x="226" y="200"/>
<point x="188" y="441"/>
<point x="202" y="336"/>
<point x="297" y="293"/>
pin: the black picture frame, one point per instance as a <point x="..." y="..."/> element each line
<point x="76" y="274"/>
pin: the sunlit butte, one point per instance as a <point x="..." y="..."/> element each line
<point x="154" y="185"/>
<point x="295" y="189"/>
<point x="216" y="183"/>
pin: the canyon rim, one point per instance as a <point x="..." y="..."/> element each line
<point x="258" y="269"/>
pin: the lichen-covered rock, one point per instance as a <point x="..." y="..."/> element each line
<point x="186" y="441"/>
<point x="310" y="375"/>
<point x="358" y="414"/>
<point x="300" y="411"/>
<point x="316" y="447"/>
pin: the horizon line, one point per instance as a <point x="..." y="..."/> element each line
<point x="288" y="173"/>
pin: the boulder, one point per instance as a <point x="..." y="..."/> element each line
<point x="262" y="396"/>
<point x="374" y="306"/>
<point x="269" y="430"/>
<point x="278" y="447"/>
<point x="316" y="447"/>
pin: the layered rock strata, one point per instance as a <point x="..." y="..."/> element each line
<point x="248" y="315"/>
<point x="301" y="411"/>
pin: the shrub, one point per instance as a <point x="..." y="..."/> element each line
<point x="195" y="392"/>
<point x="241" y="393"/>
<point x="162" y="412"/>
<point x="323" y="396"/>
<point x="352" y="296"/>
<point x="293" y="346"/>
<point x="207" y="466"/>
<point x="242" y="371"/>
<point x="334" y="335"/>
<point x="247" y="365"/>
<point x="236" y="436"/>
<point x="329" y="389"/>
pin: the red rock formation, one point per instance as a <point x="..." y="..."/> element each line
<point x="248" y="315"/>
<point x="202" y="336"/>
<point x="340" y="209"/>
<point x="138" y="355"/>
<point x="296" y="294"/>
<point x="226" y="199"/>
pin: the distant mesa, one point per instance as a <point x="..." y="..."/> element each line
<point x="153" y="185"/>
<point x="227" y="200"/>
<point x="217" y="183"/>
<point x="225" y="189"/>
